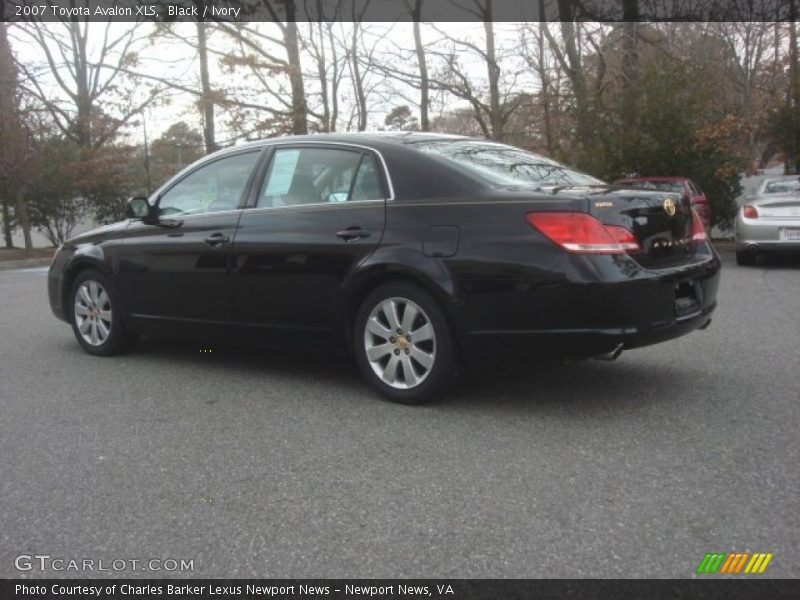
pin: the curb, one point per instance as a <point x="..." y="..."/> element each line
<point x="8" y="265"/>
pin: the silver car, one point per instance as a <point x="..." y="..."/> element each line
<point x="770" y="220"/>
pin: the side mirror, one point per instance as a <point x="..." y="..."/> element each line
<point x="138" y="208"/>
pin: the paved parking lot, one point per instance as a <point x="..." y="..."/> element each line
<point x="257" y="464"/>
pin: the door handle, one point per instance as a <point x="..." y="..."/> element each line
<point x="217" y="239"/>
<point x="352" y="233"/>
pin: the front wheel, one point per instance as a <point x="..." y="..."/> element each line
<point x="96" y="316"/>
<point x="403" y="344"/>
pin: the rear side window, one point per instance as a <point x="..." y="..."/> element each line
<point x="298" y="176"/>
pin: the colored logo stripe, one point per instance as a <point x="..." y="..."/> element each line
<point x="711" y="562"/>
<point x="734" y="562"/>
<point x="758" y="563"/>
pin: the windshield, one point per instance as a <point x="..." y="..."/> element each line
<point x="506" y="166"/>
<point x="782" y="186"/>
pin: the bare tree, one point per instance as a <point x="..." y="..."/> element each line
<point x="88" y="81"/>
<point x="321" y="45"/>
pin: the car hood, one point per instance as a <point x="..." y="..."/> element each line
<point x="102" y="232"/>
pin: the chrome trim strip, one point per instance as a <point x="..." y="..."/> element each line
<point x="184" y="217"/>
<point x="314" y="206"/>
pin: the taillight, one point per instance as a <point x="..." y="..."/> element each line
<point x="750" y="211"/>
<point x="582" y="233"/>
<point x="698" y="229"/>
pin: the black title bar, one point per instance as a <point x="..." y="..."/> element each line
<point x="397" y="589"/>
<point x="398" y="10"/>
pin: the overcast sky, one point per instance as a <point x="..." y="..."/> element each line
<point x="174" y="59"/>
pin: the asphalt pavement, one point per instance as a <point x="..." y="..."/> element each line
<point x="252" y="463"/>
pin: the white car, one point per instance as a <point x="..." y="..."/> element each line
<point x="769" y="221"/>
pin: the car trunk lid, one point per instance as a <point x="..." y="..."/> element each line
<point x="785" y="207"/>
<point x="661" y="222"/>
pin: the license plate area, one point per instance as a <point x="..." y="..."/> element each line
<point x="687" y="297"/>
<point x="789" y="234"/>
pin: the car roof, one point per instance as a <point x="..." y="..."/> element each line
<point x="366" y="137"/>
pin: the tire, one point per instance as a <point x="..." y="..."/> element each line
<point x="745" y="258"/>
<point x="412" y="366"/>
<point x="96" y="316"/>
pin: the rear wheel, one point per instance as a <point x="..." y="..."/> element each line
<point x="96" y="316"/>
<point x="745" y="258"/>
<point x="403" y="344"/>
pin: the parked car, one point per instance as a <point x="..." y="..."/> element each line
<point x="680" y="185"/>
<point x="770" y="220"/>
<point x="414" y="252"/>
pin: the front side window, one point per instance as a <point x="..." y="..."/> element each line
<point x="506" y="166"/>
<point x="298" y="176"/>
<point x="215" y="187"/>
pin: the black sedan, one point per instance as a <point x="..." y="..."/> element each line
<point x="417" y="253"/>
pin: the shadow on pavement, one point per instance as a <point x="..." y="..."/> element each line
<point x="518" y="385"/>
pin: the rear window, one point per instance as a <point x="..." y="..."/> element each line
<point x="505" y="166"/>
<point x="661" y="186"/>
<point x="782" y="186"/>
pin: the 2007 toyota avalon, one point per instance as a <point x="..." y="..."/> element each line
<point x="415" y="252"/>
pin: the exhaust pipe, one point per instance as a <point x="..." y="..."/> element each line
<point x="752" y="249"/>
<point x="610" y="356"/>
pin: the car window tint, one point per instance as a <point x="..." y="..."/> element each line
<point x="663" y="186"/>
<point x="506" y="166"/>
<point x="214" y="187"/>
<point x="367" y="185"/>
<point x="300" y="176"/>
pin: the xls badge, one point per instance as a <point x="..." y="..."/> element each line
<point x="669" y="207"/>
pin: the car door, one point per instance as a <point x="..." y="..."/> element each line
<point x="176" y="267"/>
<point x="319" y="211"/>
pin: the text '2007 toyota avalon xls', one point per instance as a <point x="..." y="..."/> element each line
<point x="414" y="252"/>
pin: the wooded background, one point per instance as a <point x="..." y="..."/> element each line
<point x="706" y="100"/>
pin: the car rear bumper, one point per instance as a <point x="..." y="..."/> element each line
<point x="583" y="343"/>
<point x="765" y="234"/>
<point x="583" y="318"/>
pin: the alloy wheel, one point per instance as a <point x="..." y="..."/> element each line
<point x="400" y="343"/>
<point x="93" y="315"/>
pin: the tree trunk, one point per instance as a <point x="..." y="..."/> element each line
<point x="24" y="219"/>
<point x="424" y="84"/>
<point x="207" y="102"/>
<point x="7" y="238"/>
<point x="544" y="77"/>
<point x="574" y="70"/>
<point x="630" y="61"/>
<point x="322" y="73"/>
<point x="83" y="100"/>
<point x="12" y="139"/>
<point x="290" y="40"/>
<point x="334" y="80"/>
<point x="493" y="71"/>
<point x="358" y="82"/>
<point x="792" y="164"/>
